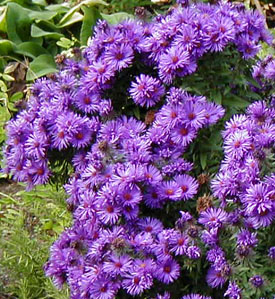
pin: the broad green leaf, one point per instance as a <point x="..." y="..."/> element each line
<point x="91" y="15"/>
<point x="76" y="17"/>
<point x="38" y="32"/>
<point x="18" y="23"/>
<point x="77" y="7"/>
<point x="30" y="49"/>
<point x="6" y="47"/>
<point x="42" y="15"/>
<point x="59" y="8"/>
<point x="3" y="24"/>
<point x="41" y="66"/>
<point x="116" y="17"/>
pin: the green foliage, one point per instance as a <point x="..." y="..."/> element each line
<point x="29" y="224"/>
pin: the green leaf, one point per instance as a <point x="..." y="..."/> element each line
<point x="16" y="96"/>
<point x="69" y="15"/>
<point x="203" y="159"/>
<point x="18" y="22"/>
<point x="38" y="32"/>
<point x="7" y="77"/>
<point x="3" y="24"/>
<point x="76" y="17"/>
<point x="116" y="17"/>
<point x="40" y="2"/>
<point x="65" y="43"/>
<point x="6" y="47"/>
<point x="41" y="66"/>
<point x="59" y="8"/>
<point x="232" y="100"/>
<point x="217" y="96"/>
<point x="42" y="15"/>
<point x="30" y="49"/>
<point x="91" y="15"/>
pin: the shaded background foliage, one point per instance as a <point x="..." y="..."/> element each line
<point x="34" y="36"/>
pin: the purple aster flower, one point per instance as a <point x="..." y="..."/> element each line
<point x="195" y="296"/>
<point x="36" y="145"/>
<point x="247" y="47"/>
<point x="215" y="278"/>
<point x="166" y="295"/>
<point x="130" y="196"/>
<point x="183" y="135"/>
<point x="117" y="265"/>
<point x="146" y="91"/>
<point x="246" y="238"/>
<point x="213" y="217"/>
<point x="188" y="185"/>
<point x="238" y="144"/>
<point x="169" y="190"/>
<point x="233" y="291"/>
<point x="135" y="283"/>
<point x="119" y="56"/>
<point x="271" y="252"/>
<point x="193" y="252"/>
<point x="150" y="225"/>
<point x="108" y="212"/>
<point x="220" y="32"/>
<point x="257" y="281"/>
<point x="187" y="38"/>
<point x="258" y="204"/>
<point x="174" y="62"/>
<point x="102" y="289"/>
<point x="179" y="243"/>
<point x="167" y="270"/>
<point x="270" y="70"/>
<point x="210" y="237"/>
<point x="88" y="103"/>
<point x="152" y="175"/>
<point x="153" y="199"/>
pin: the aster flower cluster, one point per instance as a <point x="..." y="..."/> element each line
<point x="126" y="168"/>
<point x="248" y="139"/>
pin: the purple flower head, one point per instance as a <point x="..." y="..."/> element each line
<point x="213" y="218"/>
<point x="119" y="56"/>
<point x="135" y="283"/>
<point x="168" y="270"/>
<point x="233" y="291"/>
<point x="170" y="190"/>
<point x="150" y="225"/>
<point x="146" y="91"/>
<point x="271" y="252"/>
<point x="257" y="281"/>
<point x="117" y="265"/>
<point x="215" y="278"/>
<point x="195" y="296"/>
<point x="193" y="252"/>
<point x="258" y="204"/>
<point x="179" y="243"/>
<point x="188" y="186"/>
<point x="175" y="62"/>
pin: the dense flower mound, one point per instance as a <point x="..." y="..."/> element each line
<point x="60" y="111"/>
<point x="128" y="169"/>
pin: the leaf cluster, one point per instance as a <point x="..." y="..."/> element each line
<point x="29" y="223"/>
